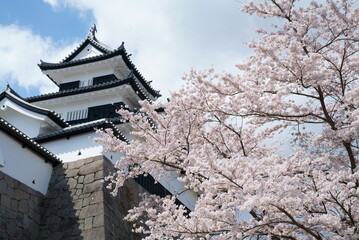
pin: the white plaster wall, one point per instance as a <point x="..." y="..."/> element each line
<point x="24" y="120"/>
<point x="66" y="104"/>
<point x="85" y="76"/>
<point x="75" y="148"/>
<point x="24" y="165"/>
<point x="84" y="72"/>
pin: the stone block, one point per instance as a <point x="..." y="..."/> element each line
<point x="91" y="210"/>
<point x="94" y="186"/>
<point x="9" y="181"/>
<point x="33" y="229"/>
<point x="85" y="195"/>
<point x="63" y="212"/>
<point x="68" y="224"/>
<point x="34" y="215"/>
<point x="73" y="192"/>
<point x="54" y="194"/>
<point x="5" y="201"/>
<point x="3" y="187"/>
<point x="89" y="178"/>
<point x="62" y="184"/>
<point x="93" y="234"/>
<point x="88" y="223"/>
<point x="72" y="183"/>
<point x="75" y="164"/>
<point x="78" y="192"/>
<point x="90" y="168"/>
<point x="96" y="197"/>
<point x="34" y="199"/>
<point x="99" y="175"/>
<point x="23" y="206"/>
<point x="80" y="179"/>
<point x="53" y="220"/>
<point x="98" y="221"/>
<point x="56" y="236"/>
<point x="11" y="228"/>
<point x="20" y="220"/>
<point x="10" y="192"/>
<point x="14" y="204"/>
<point x="26" y="195"/>
<point x="86" y="201"/>
<point x="78" y="204"/>
<point x="72" y="172"/>
<point x="79" y="186"/>
<point x="88" y="160"/>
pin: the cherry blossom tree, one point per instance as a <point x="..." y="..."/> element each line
<point x="278" y="141"/>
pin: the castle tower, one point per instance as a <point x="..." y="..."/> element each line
<point x="61" y="194"/>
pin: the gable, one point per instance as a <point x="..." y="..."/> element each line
<point x="88" y="50"/>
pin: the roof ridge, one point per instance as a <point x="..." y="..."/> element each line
<point x="12" y="91"/>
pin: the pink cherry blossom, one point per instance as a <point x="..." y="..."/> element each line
<point x="278" y="141"/>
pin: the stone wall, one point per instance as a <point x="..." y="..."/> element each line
<point x="20" y="209"/>
<point x="77" y="205"/>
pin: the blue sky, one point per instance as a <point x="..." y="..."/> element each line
<point x="44" y="20"/>
<point x="166" y="38"/>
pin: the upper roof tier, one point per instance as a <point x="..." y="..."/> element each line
<point x="90" y="58"/>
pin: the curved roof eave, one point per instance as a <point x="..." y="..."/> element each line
<point x="53" y="66"/>
<point x="21" y="102"/>
<point x="129" y="80"/>
<point x="83" y="128"/>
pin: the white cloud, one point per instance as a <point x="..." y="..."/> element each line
<point x="168" y="38"/>
<point x="21" y="50"/>
<point x="53" y="3"/>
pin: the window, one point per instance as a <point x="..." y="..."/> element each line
<point x="104" y="111"/>
<point x="103" y="79"/>
<point x="69" y="85"/>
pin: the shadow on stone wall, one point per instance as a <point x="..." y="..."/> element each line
<point x="59" y="220"/>
<point x="20" y="210"/>
<point x="78" y="205"/>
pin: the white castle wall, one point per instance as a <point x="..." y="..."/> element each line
<point x="24" y="165"/>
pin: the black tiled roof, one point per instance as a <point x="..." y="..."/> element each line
<point x="106" y="54"/>
<point x="28" y="142"/>
<point x="9" y="93"/>
<point x="51" y="66"/>
<point x="119" y="51"/>
<point x="82" y="128"/>
<point x="92" y="40"/>
<point x="129" y="80"/>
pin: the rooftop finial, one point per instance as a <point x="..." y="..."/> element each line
<point x="92" y="32"/>
<point x="8" y="86"/>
